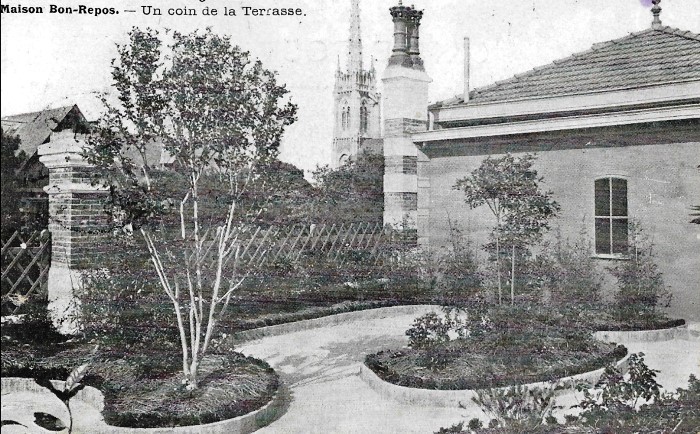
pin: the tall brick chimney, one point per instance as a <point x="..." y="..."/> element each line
<point x="405" y="108"/>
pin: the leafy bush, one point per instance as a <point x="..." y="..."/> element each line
<point x="454" y="429"/>
<point x="518" y="406"/>
<point x="616" y="391"/>
<point x="475" y="424"/>
<point x="121" y="305"/>
<point x="429" y="330"/>
<point x="641" y="290"/>
<point x="571" y="275"/>
<point x="429" y="334"/>
<point x="613" y="405"/>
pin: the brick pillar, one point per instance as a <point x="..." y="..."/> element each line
<point x="405" y="107"/>
<point x="77" y="221"/>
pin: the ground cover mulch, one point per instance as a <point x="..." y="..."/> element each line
<point x="143" y="387"/>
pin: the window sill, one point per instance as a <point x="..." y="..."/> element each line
<point x="608" y="257"/>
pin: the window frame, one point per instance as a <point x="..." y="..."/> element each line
<point x="610" y="218"/>
<point x="364" y="117"/>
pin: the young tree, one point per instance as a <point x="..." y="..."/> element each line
<point x="219" y="114"/>
<point x="509" y="186"/>
<point x="641" y="289"/>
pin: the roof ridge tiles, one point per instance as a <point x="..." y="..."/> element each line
<point x="678" y="32"/>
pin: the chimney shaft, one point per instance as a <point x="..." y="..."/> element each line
<point x="400" y="29"/>
<point x="466" y="69"/>
<point x="414" y="39"/>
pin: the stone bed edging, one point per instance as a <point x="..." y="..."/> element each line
<point x="331" y="320"/>
<point x="461" y="398"/>
<point x="658" y="335"/>
<point x="92" y="397"/>
<point x="457" y="398"/>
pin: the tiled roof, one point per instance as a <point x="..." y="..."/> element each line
<point x="34" y="128"/>
<point x="649" y="57"/>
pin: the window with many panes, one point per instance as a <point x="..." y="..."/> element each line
<point x="611" y="232"/>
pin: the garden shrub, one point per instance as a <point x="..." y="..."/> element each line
<point x="451" y="272"/>
<point x="641" y="290"/>
<point x="454" y="429"/>
<point x="518" y="406"/>
<point x="570" y="274"/>
<point x="122" y="306"/>
<point x="633" y="403"/>
<point x="615" y="391"/>
<point x="429" y="330"/>
<point x="475" y="424"/>
<point x="429" y="335"/>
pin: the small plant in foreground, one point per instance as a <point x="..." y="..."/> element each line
<point x="70" y="388"/>
<point x="475" y="424"/>
<point x="429" y="334"/>
<point x="454" y="429"/>
<point x="616" y="394"/>
<point x="518" y="406"/>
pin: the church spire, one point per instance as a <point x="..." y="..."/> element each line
<point x="355" y="41"/>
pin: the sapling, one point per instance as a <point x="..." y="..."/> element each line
<point x="510" y="188"/>
<point x="219" y="115"/>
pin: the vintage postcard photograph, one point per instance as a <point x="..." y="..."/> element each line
<point x="350" y="216"/>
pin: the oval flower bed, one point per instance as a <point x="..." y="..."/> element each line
<point x="472" y="371"/>
<point x="514" y="346"/>
<point x="143" y="389"/>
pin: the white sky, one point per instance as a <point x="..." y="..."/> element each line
<point x="50" y="60"/>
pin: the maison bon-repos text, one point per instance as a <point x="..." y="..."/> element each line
<point x="152" y="10"/>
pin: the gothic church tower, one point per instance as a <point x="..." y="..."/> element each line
<point x="357" y="114"/>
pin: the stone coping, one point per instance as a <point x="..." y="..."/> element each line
<point x="94" y="399"/>
<point x="332" y="320"/>
<point x="462" y="398"/>
<point x="657" y="335"/>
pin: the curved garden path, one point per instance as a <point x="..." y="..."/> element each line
<point x="320" y="367"/>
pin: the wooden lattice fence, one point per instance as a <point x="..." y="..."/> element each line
<point x="25" y="266"/>
<point x="328" y="241"/>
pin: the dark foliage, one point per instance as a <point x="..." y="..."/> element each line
<point x="353" y="192"/>
<point x="10" y="205"/>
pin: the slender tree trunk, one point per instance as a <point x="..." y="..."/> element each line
<point x="512" y="276"/>
<point x="498" y="261"/>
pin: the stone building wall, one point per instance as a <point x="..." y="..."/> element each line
<point x="663" y="182"/>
